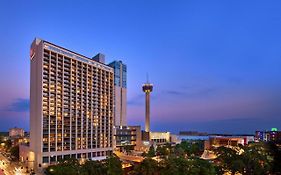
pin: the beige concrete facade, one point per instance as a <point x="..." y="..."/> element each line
<point x="120" y="106"/>
<point x="71" y="108"/>
<point x="160" y="137"/>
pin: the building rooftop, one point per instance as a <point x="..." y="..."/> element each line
<point x="99" y="55"/>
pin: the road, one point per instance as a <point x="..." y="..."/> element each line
<point x="130" y="158"/>
<point x="10" y="168"/>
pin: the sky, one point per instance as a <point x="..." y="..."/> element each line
<point x="215" y="65"/>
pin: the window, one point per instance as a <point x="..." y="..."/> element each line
<point x="45" y="159"/>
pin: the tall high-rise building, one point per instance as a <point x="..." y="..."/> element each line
<point x="147" y="89"/>
<point x="124" y="135"/>
<point x="71" y="111"/>
<point x="120" y="95"/>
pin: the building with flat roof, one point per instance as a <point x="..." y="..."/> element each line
<point x="272" y="135"/>
<point x="125" y="136"/>
<point x="16" y="132"/>
<point x="160" y="137"/>
<point x="71" y="105"/>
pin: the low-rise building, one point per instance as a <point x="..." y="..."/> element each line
<point x="16" y="132"/>
<point x="273" y="135"/>
<point x="228" y="140"/>
<point x="160" y="137"/>
<point x="26" y="156"/>
<point x="126" y="136"/>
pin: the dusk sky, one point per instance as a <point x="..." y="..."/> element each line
<point x="215" y="65"/>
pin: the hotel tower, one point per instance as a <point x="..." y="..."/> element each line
<point x="71" y="105"/>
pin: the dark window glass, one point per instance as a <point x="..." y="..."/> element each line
<point x="45" y="159"/>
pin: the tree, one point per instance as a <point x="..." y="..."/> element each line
<point x="114" y="166"/>
<point x="8" y="144"/>
<point x="179" y="151"/>
<point x="194" y="148"/>
<point x="66" y="166"/>
<point x="1" y="139"/>
<point x="147" y="167"/>
<point x="162" y="151"/>
<point x="276" y="153"/>
<point x="183" y="166"/>
<point x="257" y="159"/>
<point x="202" y="167"/>
<point x="175" y="166"/>
<point x="128" y="148"/>
<point x="151" y="151"/>
<point x="93" y="168"/>
<point x="15" y="152"/>
<point x="62" y="170"/>
<point x="226" y="156"/>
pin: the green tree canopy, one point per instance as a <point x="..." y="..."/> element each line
<point x="67" y="166"/>
<point x="15" y="152"/>
<point x="151" y="151"/>
<point x="147" y="167"/>
<point x="183" y="166"/>
<point x="114" y="166"/>
<point x="94" y="168"/>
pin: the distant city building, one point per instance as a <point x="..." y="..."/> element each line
<point x="218" y="140"/>
<point x="71" y="107"/>
<point x="160" y="137"/>
<point x="273" y="135"/>
<point x="180" y="138"/>
<point x="16" y="132"/>
<point x="120" y="93"/>
<point x="189" y="136"/>
<point x="213" y="140"/>
<point x="193" y="133"/>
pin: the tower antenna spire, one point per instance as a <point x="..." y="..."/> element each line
<point x="147" y="78"/>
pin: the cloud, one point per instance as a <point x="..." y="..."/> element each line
<point x="173" y="92"/>
<point x="193" y="93"/>
<point x="203" y="92"/>
<point x="136" y="101"/>
<point x="18" y="105"/>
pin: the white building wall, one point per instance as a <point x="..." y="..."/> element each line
<point x="36" y="98"/>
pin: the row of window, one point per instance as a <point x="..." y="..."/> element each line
<point x="90" y="155"/>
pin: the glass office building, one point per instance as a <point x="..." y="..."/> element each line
<point x="120" y="96"/>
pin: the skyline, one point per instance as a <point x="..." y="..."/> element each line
<point x="212" y="64"/>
